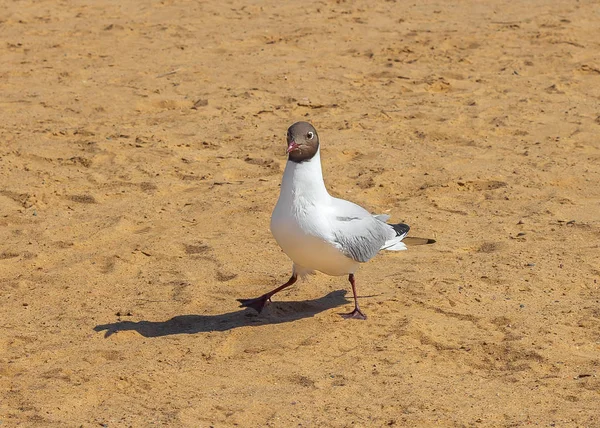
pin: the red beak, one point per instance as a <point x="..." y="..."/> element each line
<point x="292" y="145"/>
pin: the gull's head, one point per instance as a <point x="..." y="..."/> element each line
<point x="302" y="142"/>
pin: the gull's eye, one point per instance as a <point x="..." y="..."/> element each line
<point x="310" y="135"/>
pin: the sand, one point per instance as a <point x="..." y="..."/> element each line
<point x="141" y="150"/>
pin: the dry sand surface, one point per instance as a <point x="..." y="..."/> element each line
<point x="141" y="151"/>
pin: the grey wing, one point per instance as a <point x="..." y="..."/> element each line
<point x="359" y="234"/>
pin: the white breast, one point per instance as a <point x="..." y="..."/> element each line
<point x="306" y="246"/>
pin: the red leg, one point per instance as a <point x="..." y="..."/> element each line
<point x="356" y="313"/>
<point x="259" y="303"/>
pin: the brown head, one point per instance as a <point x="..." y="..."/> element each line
<point x="302" y="142"/>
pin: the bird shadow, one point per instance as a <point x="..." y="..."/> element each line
<point x="274" y="313"/>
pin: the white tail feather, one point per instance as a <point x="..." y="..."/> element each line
<point x="394" y="244"/>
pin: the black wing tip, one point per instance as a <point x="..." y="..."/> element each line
<point x="401" y="228"/>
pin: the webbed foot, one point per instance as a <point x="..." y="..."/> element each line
<point x="257" y="304"/>
<point x="356" y="314"/>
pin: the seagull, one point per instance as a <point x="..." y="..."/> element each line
<point x="319" y="232"/>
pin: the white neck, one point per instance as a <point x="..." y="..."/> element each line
<point x="304" y="180"/>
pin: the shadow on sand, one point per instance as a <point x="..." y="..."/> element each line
<point x="274" y="313"/>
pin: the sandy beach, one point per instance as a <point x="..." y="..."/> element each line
<point x="142" y="146"/>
